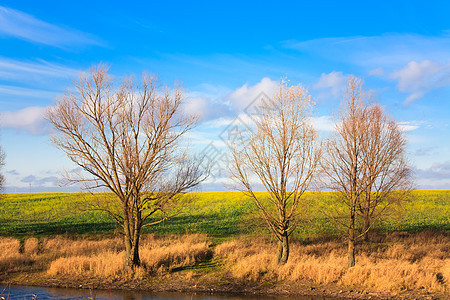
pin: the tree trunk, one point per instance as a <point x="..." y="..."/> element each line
<point x="132" y="225"/>
<point x="283" y="249"/>
<point x="132" y="259"/>
<point x="366" y="216"/>
<point x="132" y="234"/>
<point x="351" y="244"/>
<point x="351" y="235"/>
<point x="351" y="253"/>
<point x="366" y="227"/>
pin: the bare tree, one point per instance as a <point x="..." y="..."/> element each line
<point x="364" y="162"/>
<point x="127" y="138"/>
<point x="387" y="173"/>
<point x="281" y="154"/>
<point x="343" y="163"/>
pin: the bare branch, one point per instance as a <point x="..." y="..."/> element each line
<point x="364" y="161"/>
<point x="127" y="139"/>
<point x="281" y="154"/>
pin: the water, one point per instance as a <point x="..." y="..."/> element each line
<point x="41" y="293"/>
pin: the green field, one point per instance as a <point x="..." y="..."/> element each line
<point x="220" y="214"/>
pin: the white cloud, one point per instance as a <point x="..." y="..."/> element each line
<point x="437" y="176"/>
<point x="417" y="78"/>
<point x="412" y="75"/>
<point x="322" y="123"/>
<point x="376" y="72"/>
<point x="407" y="127"/>
<point x="30" y="119"/>
<point x="247" y="95"/>
<point x="203" y="138"/>
<point x="330" y="85"/>
<point x="426" y="151"/>
<point x="26" y="27"/>
<point x="196" y="106"/>
<point x="208" y="102"/>
<point x="419" y="63"/>
<point x="411" y="125"/>
<point x="49" y="181"/>
<point x="219" y="122"/>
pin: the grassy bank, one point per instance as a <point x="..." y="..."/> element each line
<point x="395" y="265"/>
<point x="220" y="214"/>
<point x="218" y="243"/>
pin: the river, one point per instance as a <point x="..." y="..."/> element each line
<point x="41" y="293"/>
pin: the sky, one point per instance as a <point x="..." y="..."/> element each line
<point x="225" y="53"/>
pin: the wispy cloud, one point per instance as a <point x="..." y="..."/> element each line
<point x="376" y="72"/>
<point x="26" y="92"/>
<point x="426" y="151"/>
<point x="29" y="119"/>
<point x="21" y="25"/>
<point x="408" y="126"/>
<point x="387" y="51"/>
<point x="11" y="69"/>
<point x="42" y="181"/>
<point x="218" y="122"/>
<point x="418" y="78"/>
<point x="201" y="138"/>
<point x="436" y="171"/>
<point x="12" y="172"/>
<point x="330" y="86"/>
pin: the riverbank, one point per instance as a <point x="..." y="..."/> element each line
<point x="397" y="265"/>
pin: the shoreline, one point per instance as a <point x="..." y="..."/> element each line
<point x="207" y="285"/>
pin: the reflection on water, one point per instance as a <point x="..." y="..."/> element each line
<point x="39" y="293"/>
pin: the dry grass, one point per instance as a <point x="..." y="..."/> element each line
<point x="102" y="258"/>
<point x="11" y="257"/>
<point x="157" y="255"/>
<point x="104" y="264"/>
<point x="66" y="247"/>
<point x="162" y="255"/>
<point x="31" y="246"/>
<point x="255" y="260"/>
<point x="8" y="248"/>
<point x="397" y="262"/>
<point x="417" y="263"/>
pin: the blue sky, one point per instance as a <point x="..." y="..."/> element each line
<point x="225" y="53"/>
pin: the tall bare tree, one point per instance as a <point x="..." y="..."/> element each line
<point x="127" y="138"/>
<point x="364" y="162"/>
<point x="281" y="154"/>
<point x="343" y="162"/>
<point x="387" y="173"/>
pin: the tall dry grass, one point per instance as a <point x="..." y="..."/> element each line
<point x="102" y="258"/>
<point x="172" y="252"/>
<point x="11" y="256"/>
<point x="61" y="246"/>
<point x="105" y="260"/>
<point x="416" y="263"/>
<point x="103" y="264"/>
<point x="393" y="263"/>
